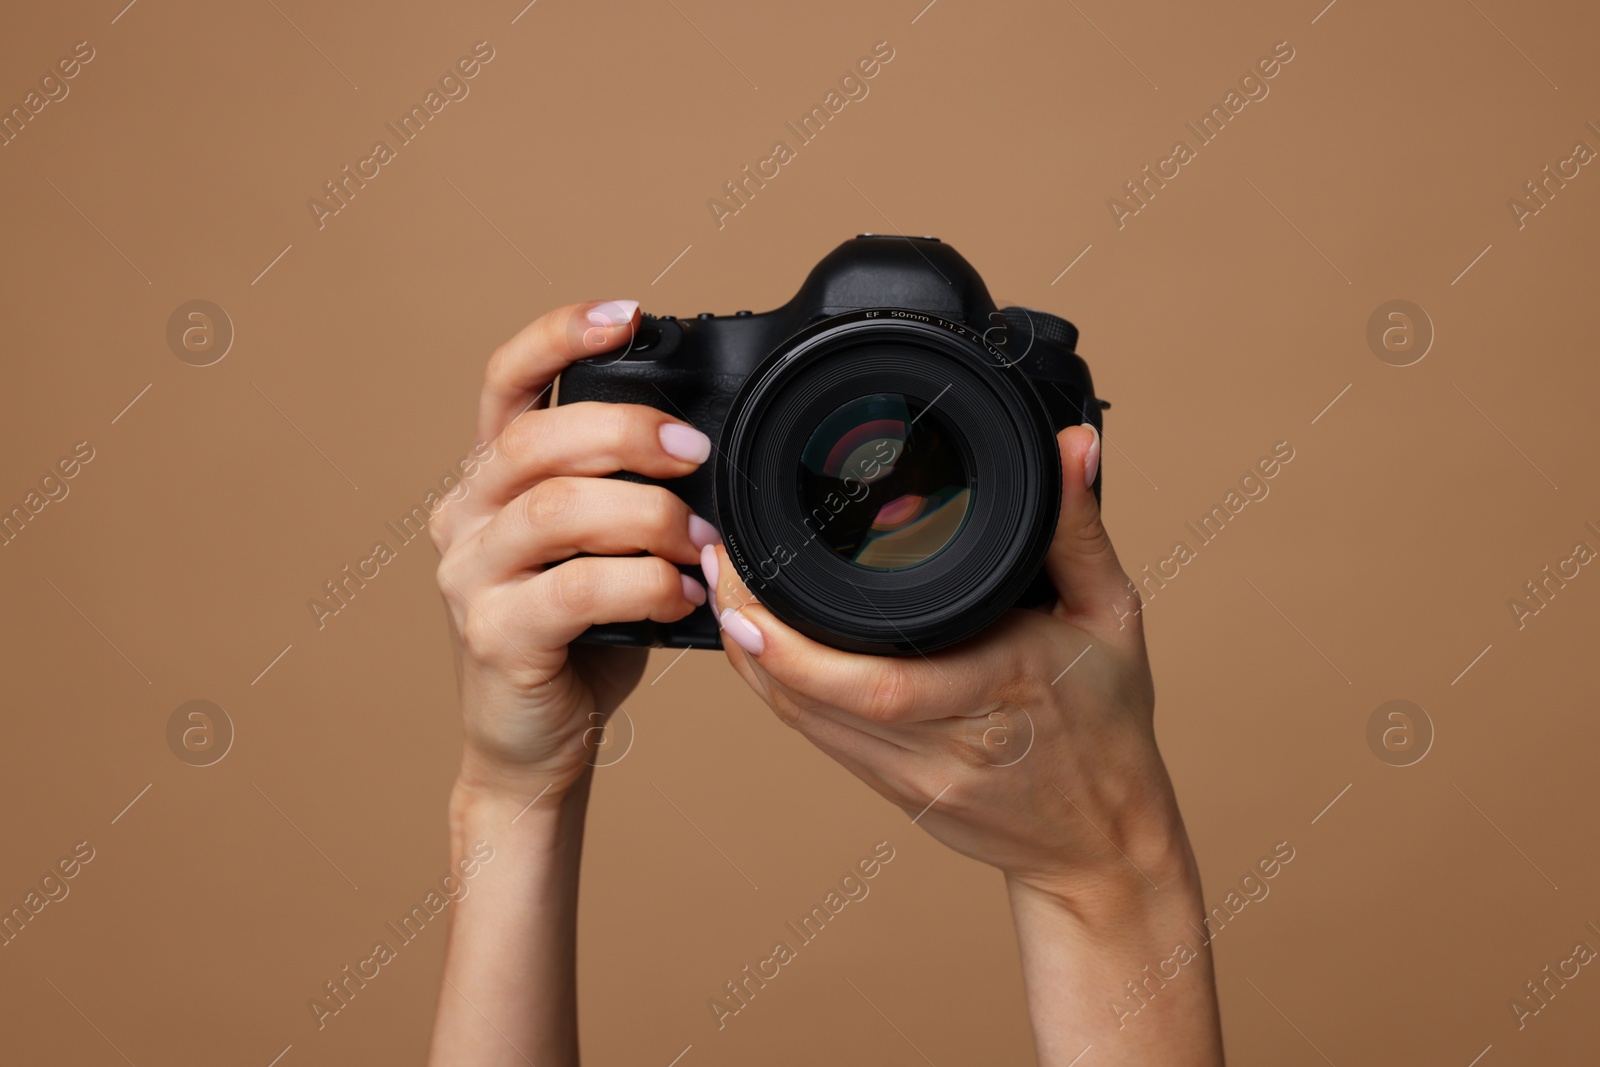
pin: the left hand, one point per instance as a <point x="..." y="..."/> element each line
<point x="1030" y="748"/>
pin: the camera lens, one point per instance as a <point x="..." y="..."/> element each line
<point x="887" y="481"/>
<point x="883" y="482"/>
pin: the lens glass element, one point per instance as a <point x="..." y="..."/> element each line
<point x="884" y="483"/>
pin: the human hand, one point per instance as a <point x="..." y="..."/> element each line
<point x="517" y="596"/>
<point x="1030" y="748"/>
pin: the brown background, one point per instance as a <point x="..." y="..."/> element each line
<point x="1382" y="560"/>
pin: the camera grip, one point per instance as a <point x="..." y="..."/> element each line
<point x="702" y="401"/>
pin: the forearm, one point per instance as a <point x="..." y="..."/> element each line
<point x="1126" y="970"/>
<point x="510" y="978"/>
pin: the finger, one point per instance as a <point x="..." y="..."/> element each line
<point x="879" y="689"/>
<point x="844" y="738"/>
<point x="521" y="371"/>
<point x="856" y="743"/>
<point x="563" y="517"/>
<point x="590" y="438"/>
<point x="1081" y="562"/>
<point x="558" y="604"/>
<point x="876" y="762"/>
<point x="824" y="725"/>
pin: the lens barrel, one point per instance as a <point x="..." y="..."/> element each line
<point x="888" y="482"/>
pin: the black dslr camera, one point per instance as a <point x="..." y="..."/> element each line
<point x="885" y="473"/>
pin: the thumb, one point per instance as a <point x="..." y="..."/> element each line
<point x="1081" y="563"/>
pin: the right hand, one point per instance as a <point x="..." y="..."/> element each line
<point x="531" y="704"/>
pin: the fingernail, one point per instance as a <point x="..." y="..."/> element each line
<point x="693" y="591"/>
<point x="1091" y="460"/>
<point x="710" y="568"/>
<point x="702" y="533"/>
<point x="685" y="442"/>
<point x="743" y="631"/>
<point x="613" y="313"/>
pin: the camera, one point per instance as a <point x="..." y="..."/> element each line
<point x="884" y="469"/>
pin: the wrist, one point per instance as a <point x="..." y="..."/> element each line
<point x="1141" y="861"/>
<point x="493" y="776"/>
<point x="498" y="803"/>
<point x="1120" y="902"/>
<point x="1122" y="966"/>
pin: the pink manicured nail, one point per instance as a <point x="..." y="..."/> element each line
<point x="743" y="631"/>
<point x="710" y="568"/>
<point x="685" y="442"/>
<point x="1091" y="461"/>
<point x="613" y="313"/>
<point x="693" y="592"/>
<point x="702" y="533"/>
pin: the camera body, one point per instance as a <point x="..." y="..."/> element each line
<point x="885" y="333"/>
